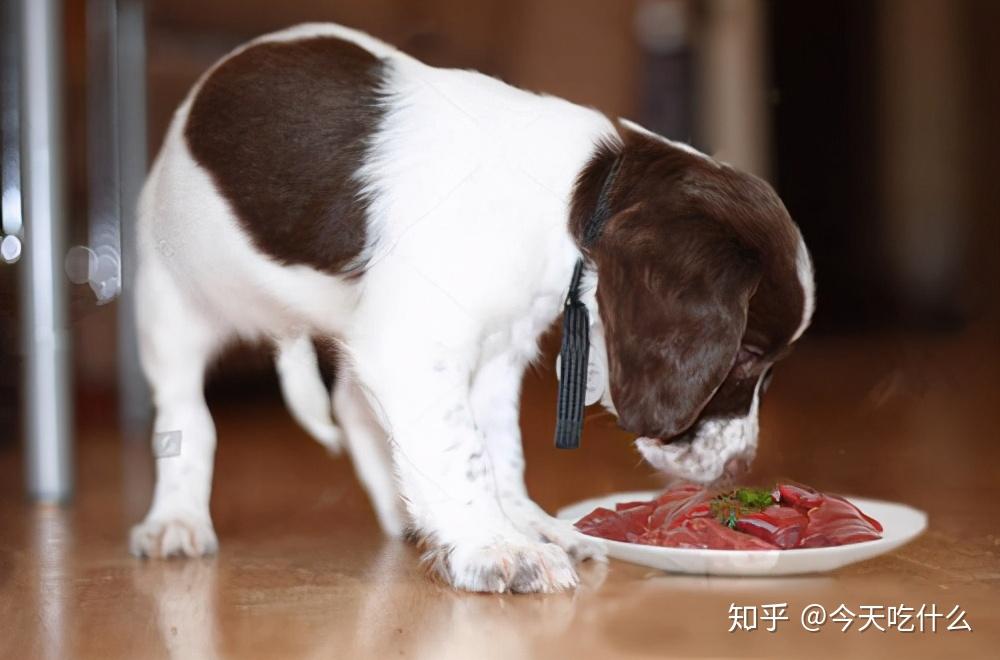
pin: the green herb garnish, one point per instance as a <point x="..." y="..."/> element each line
<point x="754" y="498"/>
<point x="727" y="508"/>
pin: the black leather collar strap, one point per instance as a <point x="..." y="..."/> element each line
<point x="575" y="349"/>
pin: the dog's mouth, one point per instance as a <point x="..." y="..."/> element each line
<point x="685" y="438"/>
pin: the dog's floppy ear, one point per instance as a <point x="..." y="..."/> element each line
<point x="673" y="296"/>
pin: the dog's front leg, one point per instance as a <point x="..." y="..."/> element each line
<point x="495" y="403"/>
<point x="447" y="477"/>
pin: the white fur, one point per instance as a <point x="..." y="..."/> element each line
<point x="588" y="296"/>
<point x="683" y="146"/>
<point x="366" y="438"/>
<point x="304" y="391"/>
<point x="804" y="270"/>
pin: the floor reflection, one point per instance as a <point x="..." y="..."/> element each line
<point x="183" y="595"/>
<point x="52" y="538"/>
<point x="453" y="625"/>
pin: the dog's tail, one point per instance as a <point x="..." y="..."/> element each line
<point x="305" y="394"/>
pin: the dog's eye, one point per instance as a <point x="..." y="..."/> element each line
<point x="748" y="353"/>
<point x="749" y="363"/>
<point x="747" y="359"/>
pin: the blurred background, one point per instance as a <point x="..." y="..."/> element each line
<point x="876" y="121"/>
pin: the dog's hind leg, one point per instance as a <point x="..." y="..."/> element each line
<point x="176" y="342"/>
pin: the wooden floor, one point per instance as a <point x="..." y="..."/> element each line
<point x="304" y="572"/>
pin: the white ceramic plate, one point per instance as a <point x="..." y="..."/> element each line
<point x="901" y="524"/>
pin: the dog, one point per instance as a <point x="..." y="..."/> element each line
<point x="318" y="183"/>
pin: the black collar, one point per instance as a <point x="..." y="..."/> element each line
<point x="575" y="349"/>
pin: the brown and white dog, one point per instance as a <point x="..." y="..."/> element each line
<point x="319" y="183"/>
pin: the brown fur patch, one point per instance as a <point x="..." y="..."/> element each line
<point x="282" y="128"/>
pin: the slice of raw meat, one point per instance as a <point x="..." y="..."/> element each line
<point x="621" y="506"/>
<point x="681" y="492"/>
<point x="797" y="495"/>
<point x="838" y="522"/>
<point x="605" y="523"/>
<point x="682" y="504"/>
<point x="779" y="525"/>
<point x="636" y="519"/>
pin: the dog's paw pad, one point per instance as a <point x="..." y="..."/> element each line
<point x="177" y="536"/>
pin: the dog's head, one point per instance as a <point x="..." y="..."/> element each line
<point x="703" y="283"/>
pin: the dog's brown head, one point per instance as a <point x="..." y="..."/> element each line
<point x="703" y="282"/>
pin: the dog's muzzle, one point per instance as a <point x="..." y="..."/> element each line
<point x="711" y="451"/>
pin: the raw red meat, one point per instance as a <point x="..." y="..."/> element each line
<point x="676" y="506"/>
<point x="689" y="516"/>
<point x="704" y="533"/>
<point x="838" y="522"/>
<point x="636" y="520"/>
<point x="621" y="506"/>
<point x="679" y="493"/>
<point x="796" y="495"/>
<point x="779" y="525"/>
<point x="604" y="523"/>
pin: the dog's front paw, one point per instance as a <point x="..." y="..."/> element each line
<point x="173" y="536"/>
<point x="532" y="520"/>
<point x="521" y="566"/>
